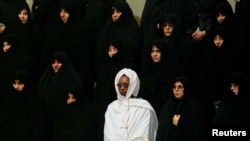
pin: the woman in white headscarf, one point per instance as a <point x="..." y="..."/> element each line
<point x="129" y="118"/>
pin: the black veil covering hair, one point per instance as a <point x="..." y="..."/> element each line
<point x="16" y="117"/>
<point x="153" y="77"/>
<point x="191" y="116"/>
<point x="127" y="31"/>
<point x="234" y="110"/>
<point x="8" y="13"/>
<point x="65" y="77"/>
<point x="16" y="58"/>
<point x="54" y="87"/>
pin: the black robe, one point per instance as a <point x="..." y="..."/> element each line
<point x="190" y="124"/>
<point x="53" y="88"/>
<point x="16" y="58"/>
<point x="125" y="29"/>
<point x="152" y="78"/>
<point x="242" y="12"/>
<point x="8" y="12"/>
<point x="17" y="120"/>
<point x="234" y="110"/>
<point x="75" y="121"/>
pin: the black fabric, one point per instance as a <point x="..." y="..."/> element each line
<point x="190" y="122"/>
<point x="16" y="114"/>
<point x="53" y="86"/>
<point x="215" y="67"/>
<point x="178" y="46"/>
<point x="95" y="18"/>
<point x="125" y="29"/>
<point x="29" y="37"/>
<point x="8" y="12"/>
<point x="16" y="58"/>
<point x="234" y="110"/>
<point x="150" y="11"/>
<point x="242" y="14"/>
<point x="69" y="37"/>
<point x="152" y="78"/>
<point x="74" y="121"/>
<point x="59" y="36"/>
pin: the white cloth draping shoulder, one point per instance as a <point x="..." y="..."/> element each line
<point x="130" y="119"/>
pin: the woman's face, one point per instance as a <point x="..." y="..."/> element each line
<point x="167" y="28"/>
<point x="218" y="41"/>
<point x="116" y="14"/>
<point x="23" y="16"/>
<point x="155" y="54"/>
<point x="18" y="85"/>
<point x="56" y="65"/>
<point x="112" y="51"/>
<point x="123" y="85"/>
<point x="64" y="14"/>
<point x="178" y="90"/>
<point x="6" y="46"/>
<point x="234" y="87"/>
<point x="71" y="98"/>
<point x="220" y="18"/>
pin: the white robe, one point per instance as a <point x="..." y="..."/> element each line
<point x="130" y="119"/>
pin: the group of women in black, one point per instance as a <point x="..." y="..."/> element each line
<point x="57" y="67"/>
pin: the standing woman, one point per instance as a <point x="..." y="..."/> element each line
<point x="122" y="25"/>
<point x="234" y="110"/>
<point x="29" y="36"/>
<point x="62" y="33"/>
<point x="12" y="58"/>
<point x="129" y="118"/>
<point x="15" y="109"/>
<point x="168" y="28"/>
<point x="153" y="74"/>
<point x="59" y="76"/>
<point x="73" y="122"/>
<point x="8" y="13"/>
<point x="181" y="118"/>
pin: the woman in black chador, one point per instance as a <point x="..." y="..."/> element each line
<point x="12" y="58"/>
<point x="56" y="79"/>
<point x="28" y="36"/>
<point x="8" y="13"/>
<point x="234" y="110"/>
<point x="122" y="25"/>
<point x="177" y="45"/>
<point x="63" y="33"/>
<point x="181" y="118"/>
<point x="153" y="75"/>
<point x="15" y="109"/>
<point x="73" y="122"/>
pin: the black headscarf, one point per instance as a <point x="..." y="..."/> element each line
<point x="190" y="120"/>
<point x="13" y="60"/>
<point x="53" y="86"/>
<point x="234" y="110"/>
<point x="15" y="122"/>
<point x="243" y="80"/>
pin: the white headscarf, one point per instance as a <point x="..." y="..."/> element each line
<point x="134" y="83"/>
<point x="130" y="119"/>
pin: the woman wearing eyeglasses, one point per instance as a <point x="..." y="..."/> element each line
<point x="181" y="118"/>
